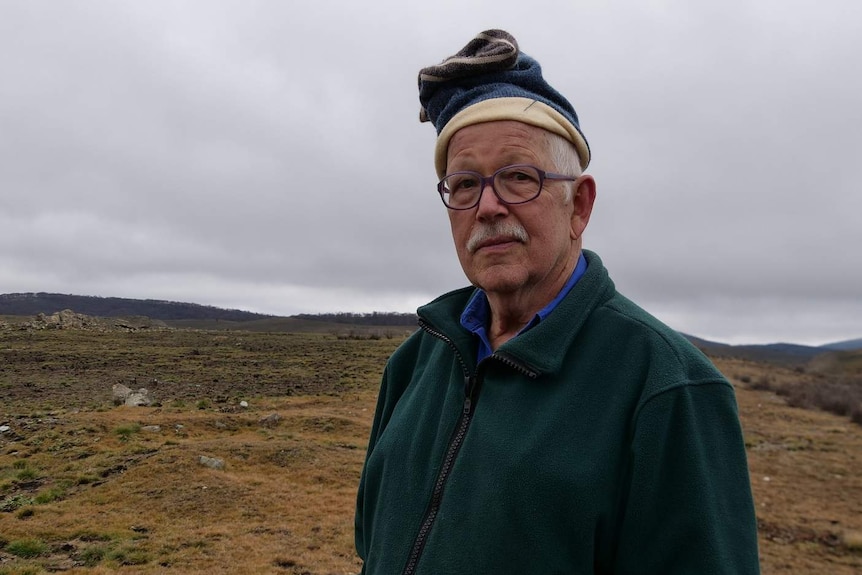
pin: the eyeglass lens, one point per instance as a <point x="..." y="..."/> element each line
<point x="513" y="185"/>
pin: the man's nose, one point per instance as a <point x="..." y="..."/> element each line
<point x="490" y="206"/>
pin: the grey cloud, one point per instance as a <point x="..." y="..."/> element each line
<point x="268" y="155"/>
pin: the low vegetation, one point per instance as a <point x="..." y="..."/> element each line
<point x="838" y="394"/>
<point x="89" y="487"/>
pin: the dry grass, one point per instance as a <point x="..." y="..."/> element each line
<point x="86" y="487"/>
<point x="141" y="502"/>
<point x="92" y="488"/>
<point x="806" y="472"/>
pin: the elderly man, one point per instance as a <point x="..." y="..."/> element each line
<point x="539" y="421"/>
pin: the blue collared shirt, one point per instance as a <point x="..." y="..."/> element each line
<point x="476" y="313"/>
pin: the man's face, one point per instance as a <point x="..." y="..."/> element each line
<point x="539" y="261"/>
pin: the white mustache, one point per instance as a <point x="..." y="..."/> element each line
<point x="486" y="232"/>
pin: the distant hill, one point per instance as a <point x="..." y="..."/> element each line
<point x="847" y="345"/>
<point x="197" y="316"/>
<point x="781" y="353"/>
<point x="30" y="304"/>
<point x="786" y="353"/>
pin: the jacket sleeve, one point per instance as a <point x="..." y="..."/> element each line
<point x="381" y="414"/>
<point x="688" y="506"/>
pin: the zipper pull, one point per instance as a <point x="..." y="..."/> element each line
<point x="469" y="380"/>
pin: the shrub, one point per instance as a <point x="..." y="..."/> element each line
<point x="130" y="557"/>
<point x="92" y="556"/>
<point x="762" y="383"/>
<point x="49" y="495"/>
<point x="15" y="502"/>
<point x="27" y="548"/>
<point x="839" y="396"/>
<point x="125" y="432"/>
<point x="26" y="474"/>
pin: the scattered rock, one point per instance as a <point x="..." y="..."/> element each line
<point x="243" y="403"/>
<point x="125" y="396"/>
<point x="121" y="392"/>
<point x="152" y="428"/>
<point x="4" y="428"/>
<point x="211" y="462"/>
<point x="140" y="398"/>
<point x="270" y="420"/>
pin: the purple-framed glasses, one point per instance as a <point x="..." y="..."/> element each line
<point x="516" y="184"/>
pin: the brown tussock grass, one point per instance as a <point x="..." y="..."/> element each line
<point x="806" y="474"/>
<point x="136" y="501"/>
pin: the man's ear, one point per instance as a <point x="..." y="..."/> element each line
<point x="582" y="204"/>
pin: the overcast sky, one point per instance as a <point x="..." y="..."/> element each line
<point x="267" y="155"/>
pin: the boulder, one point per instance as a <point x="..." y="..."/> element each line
<point x="126" y="396"/>
<point x="139" y="398"/>
<point x="270" y="420"/>
<point x="211" y="462"/>
<point x="121" y="392"/>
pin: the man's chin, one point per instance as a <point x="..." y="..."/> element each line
<point x="499" y="278"/>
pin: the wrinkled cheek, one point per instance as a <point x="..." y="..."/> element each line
<point x="460" y="237"/>
<point x="465" y="259"/>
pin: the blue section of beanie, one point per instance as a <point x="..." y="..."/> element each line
<point x="441" y="100"/>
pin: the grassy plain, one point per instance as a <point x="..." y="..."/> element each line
<point x="88" y="487"/>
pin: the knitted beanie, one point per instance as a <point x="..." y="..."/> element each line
<point x="491" y="79"/>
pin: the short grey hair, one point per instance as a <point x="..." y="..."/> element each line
<point x="564" y="160"/>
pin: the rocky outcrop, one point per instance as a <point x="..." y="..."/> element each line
<point x="126" y="396"/>
<point x="68" y="319"/>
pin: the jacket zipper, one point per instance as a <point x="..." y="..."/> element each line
<point x="454" y="446"/>
<point x="471" y="385"/>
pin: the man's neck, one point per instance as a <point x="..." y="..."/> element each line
<point x="511" y="311"/>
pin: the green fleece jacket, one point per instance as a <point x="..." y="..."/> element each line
<point x="599" y="441"/>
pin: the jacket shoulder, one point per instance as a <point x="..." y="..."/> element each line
<point x="661" y="350"/>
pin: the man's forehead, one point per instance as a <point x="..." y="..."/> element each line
<point x="505" y="138"/>
<point x="495" y="127"/>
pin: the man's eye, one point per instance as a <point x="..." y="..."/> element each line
<point x="464" y="184"/>
<point x="518" y="176"/>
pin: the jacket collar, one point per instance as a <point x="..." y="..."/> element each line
<point x="541" y="348"/>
